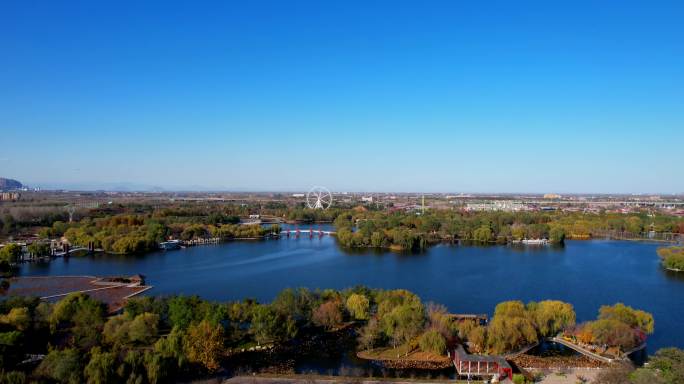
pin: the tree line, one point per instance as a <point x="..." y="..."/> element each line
<point x="411" y="231"/>
<point x="142" y="233"/>
<point x="157" y="339"/>
<point x="139" y="228"/>
<point x="516" y="325"/>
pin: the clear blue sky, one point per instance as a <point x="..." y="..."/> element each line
<point x="479" y="96"/>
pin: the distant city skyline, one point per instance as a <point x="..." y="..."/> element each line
<point x="137" y="187"/>
<point x="520" y="97"/>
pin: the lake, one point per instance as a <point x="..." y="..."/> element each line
<point x="467" y="279"/>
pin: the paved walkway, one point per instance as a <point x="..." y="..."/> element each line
<point x="581" y="350"/>
<point x="570" y="376"/>
<point x="332" y="380"/>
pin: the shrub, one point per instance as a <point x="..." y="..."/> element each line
<point x="432" y="341"/>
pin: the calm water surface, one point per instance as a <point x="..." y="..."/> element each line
<point x="464" y="278"/>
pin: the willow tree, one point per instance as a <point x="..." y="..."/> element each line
<point x="358" y="306"/>
<point x="552" y="316"/>
<point x="511" y="327"/>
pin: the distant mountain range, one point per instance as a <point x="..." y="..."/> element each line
<point x="9" y="184"/>
<point x="121" y="187"/>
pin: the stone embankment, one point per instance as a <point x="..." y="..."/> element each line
<point x="557" y="362"/>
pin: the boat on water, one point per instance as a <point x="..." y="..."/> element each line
<point x="534" y="241"/>
<point x="170" y="245"/>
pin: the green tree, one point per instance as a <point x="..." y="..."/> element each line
<point x="143" y="329"/>
<point x="518" y="231"/>
<point x="358" y="306"/>
<point x="12" y="377"/>
<point x="38" y="249"/>
<point x="557" y="234"/>
<point x="666" y="366"/>
<point x="8" y="224"/>
<point x="378" y="239"/>
<point x="182" y="310"/>
<point x="403" y="323"/>
<point x="268" y="325"/>
<point x="483" y="234"/>
<point x="296" y="303"/>
<point x="511" y="327"/>
<point x="156" y="368"/>
<point x="63" y="366"/>
<point x="172" y="347"/>
<point x="432" y="341"/>
<point x="552" y="316"/>
<point x="83" y="315"/>
<point x="10" y="253"/>
<point x="672" y="257"/>
<point x="132" y="368"/>
<point x="101" y="367"/>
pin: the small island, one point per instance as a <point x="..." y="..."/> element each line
<point x="672" y="258"/>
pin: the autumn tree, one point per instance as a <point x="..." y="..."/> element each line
<point x="204" y="344"/>
<point x="19" y="318"/>
<point x="635" y="318"/>
<point x="370" y="335"/>
<point x="612" y="332"/>
<point x="328" y="314"/>
<point x="440" y="320"/>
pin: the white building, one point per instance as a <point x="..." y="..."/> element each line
<point x="497" y="205"/>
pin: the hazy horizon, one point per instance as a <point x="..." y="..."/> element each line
<point x="136" y="187"/>
<point x="526" y="97"/>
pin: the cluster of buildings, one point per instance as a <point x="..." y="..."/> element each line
<point x="10" y="196"/>
<point x="498" y="205"/>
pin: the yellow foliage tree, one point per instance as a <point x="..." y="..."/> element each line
<point x="204" y="344"/>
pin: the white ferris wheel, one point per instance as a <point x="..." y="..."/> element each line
<point x="319" y="198"/>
